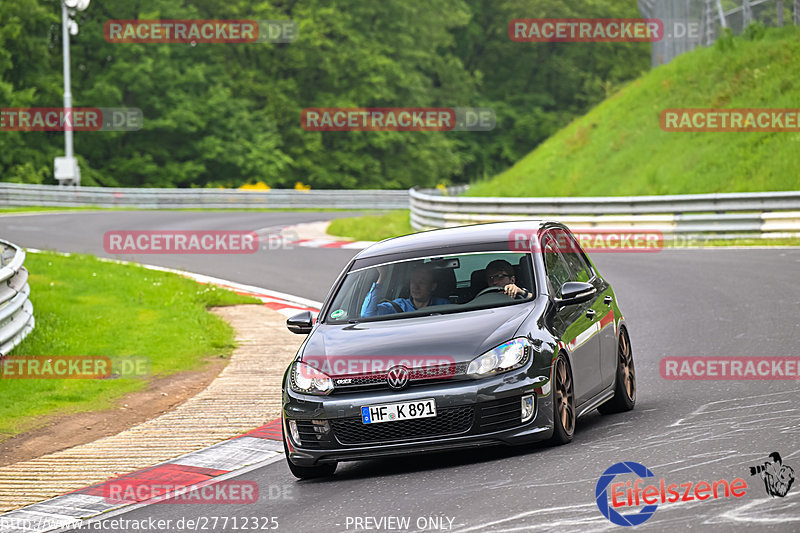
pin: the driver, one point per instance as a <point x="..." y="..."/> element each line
<point x="500" y="273"/>
<point x="421" y="286"/>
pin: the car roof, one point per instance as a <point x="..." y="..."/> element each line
<point x="461" y="237"/>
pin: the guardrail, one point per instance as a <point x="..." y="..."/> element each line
<point x="16" y="310"/>
<point x="21" y="195"/>
<point x="729" y="215"/>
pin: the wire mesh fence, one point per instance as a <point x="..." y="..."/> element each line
<point x="692" y="23"/>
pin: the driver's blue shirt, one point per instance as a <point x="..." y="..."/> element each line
<point x="371" y="307"/>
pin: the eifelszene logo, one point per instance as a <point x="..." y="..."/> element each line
<point x="601" y="494"/>
<point x="632" y="494"/>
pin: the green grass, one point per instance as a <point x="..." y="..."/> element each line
<point x="395" y="224"/>
<point x="619" y="148"/>
<point x="372" y="227"/>
<point x="84" y="306"/>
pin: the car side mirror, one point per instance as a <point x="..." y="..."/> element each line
<point x="575" y="292"/>
<point x="301" y="323"/>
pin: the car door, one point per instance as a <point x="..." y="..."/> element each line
<point x="604" y="305"/>
<point x="599" y="310"/>
<point x="576" y="323"/>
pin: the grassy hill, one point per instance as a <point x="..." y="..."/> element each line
<point x="619" y="148"/>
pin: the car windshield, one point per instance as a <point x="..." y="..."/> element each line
<point x="433" y="285"/>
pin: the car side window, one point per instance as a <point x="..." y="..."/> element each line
<point x="558" y="272"/>
<point x="579" y="268"/>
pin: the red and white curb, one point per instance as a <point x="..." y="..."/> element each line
<point x="286" y="304"/>
<point x="292" y="236"/>
<point x="209" y="466"/>
<point x="230" y="458"/>
<point x="330" y="243"/>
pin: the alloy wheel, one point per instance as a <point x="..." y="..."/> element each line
<point x="626" y="364"/>
<point x="565" y="398"/>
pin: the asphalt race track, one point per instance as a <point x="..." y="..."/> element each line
<point x="279" y="269"/>
<point x="719" y="302"/>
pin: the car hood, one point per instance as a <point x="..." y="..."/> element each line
<point x="455" y="337"/>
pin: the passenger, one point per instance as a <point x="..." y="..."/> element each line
<point x="500" y="273"/>
<point x="421" y="286"/>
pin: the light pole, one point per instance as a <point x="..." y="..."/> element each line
<point x="67" y="171"/>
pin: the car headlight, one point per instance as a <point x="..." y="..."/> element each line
<point x="508" y="356"/>
<point x="308" y="380"/>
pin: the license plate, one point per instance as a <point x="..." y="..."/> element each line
<point x="392" y="412"/>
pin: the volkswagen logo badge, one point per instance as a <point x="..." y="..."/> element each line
<point x="397" y="377"/>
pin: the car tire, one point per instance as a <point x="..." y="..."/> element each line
<point x="309" y="472"/>
<point x="563" y="402"/>
<point x="625" y="387"/>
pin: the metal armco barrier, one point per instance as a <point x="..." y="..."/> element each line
<point x="20" y="195"/>
<point x="729" y="215"/>
<point x="16" y="310"/>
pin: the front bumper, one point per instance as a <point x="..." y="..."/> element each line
<point x="470" y="413"/>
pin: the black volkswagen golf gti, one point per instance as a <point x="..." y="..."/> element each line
<point x="455" y="338"/>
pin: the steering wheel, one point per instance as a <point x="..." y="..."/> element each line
<point x="487" y="290"/>
<point x="397" y="308"/>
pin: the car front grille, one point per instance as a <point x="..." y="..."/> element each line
<point x="448" y="421"/>
<point x="500" y="414"/>
<point x="417" y="376"/>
